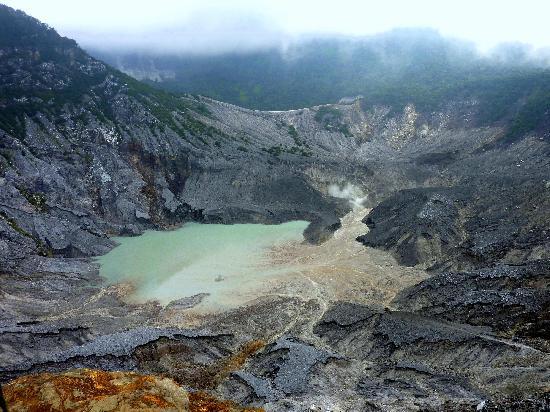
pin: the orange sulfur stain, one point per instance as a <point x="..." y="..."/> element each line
<point x="235" y="361"/>
<point x="202" y="402"/>
<point x="100" y="391"/>
<point x="93" y="390"/>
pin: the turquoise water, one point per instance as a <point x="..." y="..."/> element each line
<point x="225" y="261"/>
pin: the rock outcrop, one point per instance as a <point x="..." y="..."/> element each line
<point x="95" y="390"/>
<point x="87" y="153"/>
<point x="91" y="390"/>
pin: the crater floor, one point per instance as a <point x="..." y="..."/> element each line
<point x="212" y="268"/>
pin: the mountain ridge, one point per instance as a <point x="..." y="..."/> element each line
<point x="395" y="69"/>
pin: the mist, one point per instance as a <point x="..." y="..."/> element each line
<point x="213" y="27"/>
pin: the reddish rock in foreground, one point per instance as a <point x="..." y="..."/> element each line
<point x="99" y="391"/>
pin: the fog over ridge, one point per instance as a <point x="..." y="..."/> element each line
<point x="210" y="27"/>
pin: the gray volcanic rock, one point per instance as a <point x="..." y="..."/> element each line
<point x="368" y="358"/>
<point x="489" y="242"/>
<point x="187" y="302"/>
<point x="416" y="358"/>
<point x="284" y="367"/>
<point x="421" y="224"/>
<point x="471" y="226"/>
<point x="512" y="298"/>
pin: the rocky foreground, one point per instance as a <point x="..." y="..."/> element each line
<point x="93" y="390"/>
<point x="88" y="153"/>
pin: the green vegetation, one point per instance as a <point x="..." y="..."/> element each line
<point x="296" y="137"/>
<point x="88" y="158"/>
<point x="275" y="150"/>
<point x="202" y="109"/>
<point x="163" y="106"/>
<point x="331" y="119"/>
<point x="7" y="155"/>
<point x="13" y="224"/>
<point x="278" y="150"/>
<point x="292" y="132"/>
<point x="42" y="248"/>
<point x="394" y="69"/>
<point x="12" y="121"/>
<point x="299" y="151"/>
<point x="38" y="200"/>
<point x="530" y="115"/>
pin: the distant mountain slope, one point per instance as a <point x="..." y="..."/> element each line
<point x="395" y="68"/>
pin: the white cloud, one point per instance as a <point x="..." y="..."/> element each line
<point x="243" y="24"/>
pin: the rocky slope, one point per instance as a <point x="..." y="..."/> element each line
<point x="87" y="153"/>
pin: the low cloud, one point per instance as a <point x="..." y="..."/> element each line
<point x="217" y="26"/>
<point x="199" y="33"/>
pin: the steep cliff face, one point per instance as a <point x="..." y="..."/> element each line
<point x="87" y="152"/>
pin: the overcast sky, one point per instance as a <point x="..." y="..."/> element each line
<point x="222" y="25"/>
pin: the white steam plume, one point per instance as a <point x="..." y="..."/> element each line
<point x="348" y="191"/>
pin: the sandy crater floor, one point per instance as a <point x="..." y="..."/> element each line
<point x="341" y="268"/>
